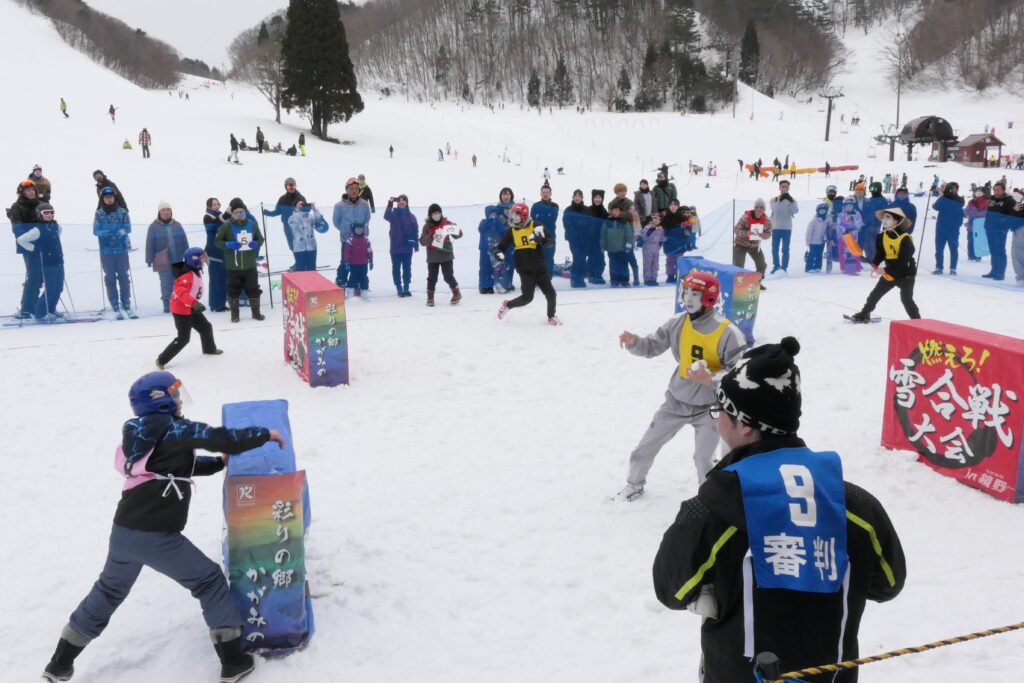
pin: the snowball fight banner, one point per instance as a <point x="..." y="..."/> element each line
<point x="315" y="334"/>
<point x="740" y="289"/>
<point x="266" y="508"/>
<point x="956" y="396"/>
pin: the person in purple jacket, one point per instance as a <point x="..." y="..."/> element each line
<point x="404" y="233"/>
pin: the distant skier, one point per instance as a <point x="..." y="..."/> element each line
<point x="157" y="458"/>
<point x="260" y="139"/>
<point x="64" y="108"/>
<point x="145" y="139"/>
<point x="233" y="155"/>
<point x="187" y="308"/>
<point x="391" y="151"/>
<point x="113" y="113"/>
<point x="895" y="246"/>
<point x="302" y="144"/>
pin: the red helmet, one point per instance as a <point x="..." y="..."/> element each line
<point x="522" y="211"/>
<point x="707" y="283"/>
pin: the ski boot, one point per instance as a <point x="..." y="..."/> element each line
<point x="62" y="664"/>
<point x="129" y="312"/>
<point x="234" y="664"/>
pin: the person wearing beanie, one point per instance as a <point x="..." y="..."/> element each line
<point x="704" y="344"/>
<point x="643" y="199"/>
<point x="895" y="247"/>
<point x="575" y="229"/>
<point x="44" y="188"/>
<point x="869" y="231"/>
<point x="103" y="181"/>
<point x="240" y="238"/>
<point x="404" y="237"/>
<point x="596" y="214"/>
<point x="157" y="458"/>
<point x="366" y="193"/>
<point x="187" y="308"/>
<point x="22" y="215"/>
<point x="950" y="210"/>
<point x="437" y="235"/>
<point x="495" y="274"/>
<point x="545" y="212"/>
<point x="349" y="210"/>
<point x="166" y="244"/>
<point x="664" y="191"/>
<point x="652" y="237"/>
<point x="751" y="230"/>
<point x="817" y="234"/>
<point x="776" y="552"/>
<point x="529" y="240"/>
<point x="305" y="222"/>
<point x="1004" y="215"/>
<point x="902" y="200"/>
<point x="678" y="225"/>
<point x="284" y="208"/>
<point x="625" y="208"/>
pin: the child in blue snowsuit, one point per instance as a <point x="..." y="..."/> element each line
<point x="817" y="233"/>
<point x="491" y="229"/>
<point x="157" y="458"/>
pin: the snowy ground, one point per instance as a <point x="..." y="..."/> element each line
<point x="460" y="485"/>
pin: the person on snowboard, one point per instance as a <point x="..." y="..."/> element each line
<point x="187" y="307"/>
<point x="529" y="240"/>
<point x="703" y="343"/>
<point x="895" y="246"/>
<point x="157" y="459"/>
<point x="776" y="552"/>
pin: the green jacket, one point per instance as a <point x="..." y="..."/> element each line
<point x="616" y="236"/>
<point x="663" y="194"/>
<point x="241" y="242"/>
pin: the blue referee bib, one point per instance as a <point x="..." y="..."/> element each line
<point x="795" y="505"/>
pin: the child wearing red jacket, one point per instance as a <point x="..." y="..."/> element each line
<point x="187" y="308"/>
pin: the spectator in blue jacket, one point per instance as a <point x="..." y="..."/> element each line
<point x="491" y="228"/>
<point x="41" y="243"/>
<point x="216" y="274"/>
<point x="405" y="239"/>
<point x="112" y="225"/>
<point x="303" y="223"/>
<point x="284" y="208"/>
<point x="545" y="212"/>
<point x="901" y="200"/>
<point x="351" y="209"/>
<point x="950" y="208"/>
<point x="869" y="230"/>
<point x="166" y="244"/>
<point x="574" y="224"/>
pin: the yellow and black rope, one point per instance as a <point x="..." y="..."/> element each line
<point x="842" y="666"/>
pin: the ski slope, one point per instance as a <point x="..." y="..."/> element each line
<point x="462" y="529"/>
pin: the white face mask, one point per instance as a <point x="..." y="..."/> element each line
<point x="436" y="217"/>
<point x="691" y="300"/>
<point x="888" y="222"/>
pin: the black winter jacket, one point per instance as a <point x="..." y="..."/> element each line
<point x="527" y="260"/>
<point x="901" y="266"/>
<point x="173" y="441"/>
<point x="118" y="198"/>
<point x="706" y="545"/>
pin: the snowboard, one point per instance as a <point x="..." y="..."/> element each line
<point x="872" y="319"/>
<point x="980" y="238"/>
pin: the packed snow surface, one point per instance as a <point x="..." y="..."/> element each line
<point x="460" y="485"/>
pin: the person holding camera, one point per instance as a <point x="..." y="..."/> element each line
<point x="784" y="207"/>
<point x="403" y="234"/>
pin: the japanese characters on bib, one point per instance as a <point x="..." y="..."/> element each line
<point x="795" y="505"/>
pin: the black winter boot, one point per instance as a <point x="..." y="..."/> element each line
<point x="234" y="664"/>
<point x="254" y="305"/>
<point x="61" y="666"/>
<point x="233" y="306"/>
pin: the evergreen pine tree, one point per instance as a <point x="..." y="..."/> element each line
<point x="533" y="89"/>
<point x="475" y="12"/>
<point x="318" y="72"/>
<point x="562" y="85"/>
<point x="681" y="27"/>
<point x="650" y="96"/>
<point x="750" y="55"/>
<point x="264" y="35"/>
<point x="623" y="87"/>
<point x="442" y="65"/>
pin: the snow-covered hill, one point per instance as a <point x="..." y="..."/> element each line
<point x="462" y="529"/>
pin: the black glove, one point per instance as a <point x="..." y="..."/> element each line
<point x="198" y="307"/>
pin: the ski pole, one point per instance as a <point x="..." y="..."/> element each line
<point x="131" y="286"/>
<point x="854" y="663"/>
<point x="67" y="290"/>
<point x="266" y="245"/>
<point x="46" y="290"/>
<point x="924" y="223"/>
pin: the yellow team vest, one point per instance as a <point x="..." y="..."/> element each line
<point x="694" y="346"/>
<point x="892" y="245"/>
<point x="521" y="237"/>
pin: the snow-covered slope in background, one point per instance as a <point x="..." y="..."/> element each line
<point x="462" y="530"/>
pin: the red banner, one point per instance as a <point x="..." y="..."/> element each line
<point x="955" y="395"/>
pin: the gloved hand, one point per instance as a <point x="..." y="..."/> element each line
<point x="538" y="233"/>
<point x="705" y="605"/>
<point x="414" y="244"/>
<point x="234" y="246"/>
<point x="27" y="238"/>
<point x="198" y="307"/>
<point x="121" y="232"/>
<point x="500" y="255"/>
<point x="371" y="265"/>
<point x="254" y="246"/>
